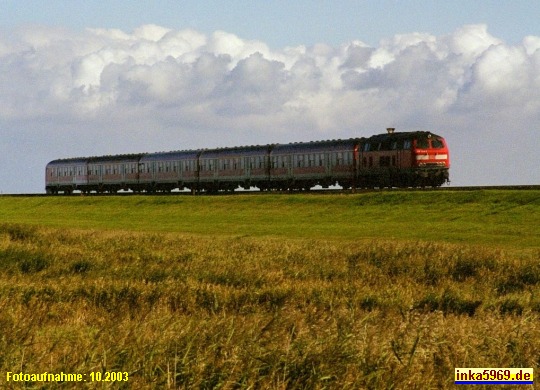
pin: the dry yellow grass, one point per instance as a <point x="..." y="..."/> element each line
<point x="188" y="311"/>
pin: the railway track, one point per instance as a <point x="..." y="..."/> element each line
<point x="314" y="192"/>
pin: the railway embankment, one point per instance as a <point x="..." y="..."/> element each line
<point x="509" y="217"/>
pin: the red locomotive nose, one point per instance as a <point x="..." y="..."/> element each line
<point x="431" y="151"/>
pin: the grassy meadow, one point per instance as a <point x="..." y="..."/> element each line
<point x="378" y="290"/>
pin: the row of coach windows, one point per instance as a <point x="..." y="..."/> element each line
<point x="66" y="171"/>
<point x="319" y="159"/>
<point x="207" y="165"/>
<point x="169" y="166"/>
<point x="255" y="162"/>
<point x="232" y="163"/>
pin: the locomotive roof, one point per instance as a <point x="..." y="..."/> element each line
<point x="401" y="136"/>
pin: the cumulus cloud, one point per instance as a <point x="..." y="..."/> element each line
<point x="160" y="86"/>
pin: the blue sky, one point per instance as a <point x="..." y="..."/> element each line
<point x="80" y="78"/>
<point x="283" y="23"/>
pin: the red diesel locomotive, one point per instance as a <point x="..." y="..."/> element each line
<point x="393" y="159"/>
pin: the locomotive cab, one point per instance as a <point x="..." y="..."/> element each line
<point x="431" y="160"/>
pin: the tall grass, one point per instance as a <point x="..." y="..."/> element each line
<point x="189" y="311"/>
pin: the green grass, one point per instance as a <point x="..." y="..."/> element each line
<point x="371" y="291"/>
<point x="508" y="219"/>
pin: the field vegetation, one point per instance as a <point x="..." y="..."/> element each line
<point x="376" y="291"/>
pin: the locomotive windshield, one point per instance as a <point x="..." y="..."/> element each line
<point x="422" y="143"/>
<point x="436" y="143"/>
<point x="431" y="142"/>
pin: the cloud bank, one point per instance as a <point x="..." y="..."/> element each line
<point x="101" y="91"/>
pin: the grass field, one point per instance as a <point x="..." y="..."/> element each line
<point x="376" y="290"/>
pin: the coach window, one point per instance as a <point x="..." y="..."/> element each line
<point x="407" y="144"/>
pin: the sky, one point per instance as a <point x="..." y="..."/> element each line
<point x="85" y="78"/>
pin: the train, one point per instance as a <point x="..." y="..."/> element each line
<point x="391" y="159"/>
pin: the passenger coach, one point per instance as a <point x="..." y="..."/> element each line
<point x="403" y="159"/>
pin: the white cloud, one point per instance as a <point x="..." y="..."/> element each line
<point x="196" y="90"/>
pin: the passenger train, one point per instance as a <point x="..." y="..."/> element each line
<point x="392" y="159"/>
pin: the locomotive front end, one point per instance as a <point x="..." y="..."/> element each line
<point x="431" y="159"/>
